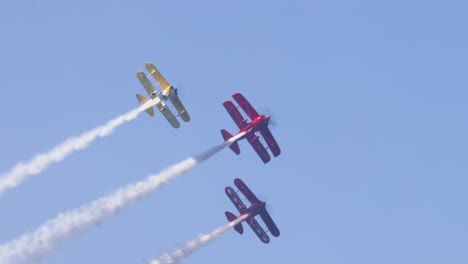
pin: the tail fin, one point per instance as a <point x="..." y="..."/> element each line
<point x="142" y="100"/>
<point x="234" y="146"/>
<point x="231" y="217"/>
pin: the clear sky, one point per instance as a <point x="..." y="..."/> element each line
<point x="369" y="99"/>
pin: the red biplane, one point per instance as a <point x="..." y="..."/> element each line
<point x="257" y="207"/>
<point x="258" y="123"/>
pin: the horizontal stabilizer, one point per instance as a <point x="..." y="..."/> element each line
<point x="234" y="146"/>
<point x="142" y="100"/>
<point x="231" y="217"/>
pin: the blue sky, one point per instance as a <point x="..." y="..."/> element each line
<point x="368" y="97"/>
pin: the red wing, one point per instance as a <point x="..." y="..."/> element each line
<point x="269" y="223"/>
<point x="254" y="140"/>
<point x="234" y="198"/>
<point x="270" y="141"/>
<point x="235" y="114"/>
<point x="245" y="105"/>
<point x="258" y="230"/>
<point x="246" y="191"/>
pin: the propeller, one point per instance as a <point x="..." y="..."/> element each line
<point x="179" y="90"/>
<point x="269" y="207"/>
<point x="273" y="120"/>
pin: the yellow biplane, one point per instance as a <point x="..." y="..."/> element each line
<point x="168" y="92"/>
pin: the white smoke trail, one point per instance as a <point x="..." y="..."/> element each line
<point x="51" y="235"/>
<point x="193" y="245"/>
<point x="42" y="161"/>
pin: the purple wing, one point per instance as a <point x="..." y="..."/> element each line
<point x="235" y="199"/>
<point x="254" y="140"/>
<point x="245" y="105"/>
<point x="270" y="141"/>
<point x="245" y="191"/>
<point x="235" y="114"/>
<point x="269" y="223"/>
<point x="258" y="230"/>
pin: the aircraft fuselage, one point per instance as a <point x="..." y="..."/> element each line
<point x="254" y="209"/>
<point x="257" y="124"/>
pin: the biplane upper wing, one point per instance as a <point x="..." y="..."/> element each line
<point x="235" y="114"/>
<point x="245" y="191"/>
<point x="270" y="141"/>
<point x="245" y="105"/>
<point x="145" y="82"/>
<point x="254" y="140"/>
<point x="235" y="199"/>
<point x="167" y="113"/>
<point x="179" y="107"/>
<point x="157" y="76"/>
<point x="269" y="223"/>
<point x="258" y="230"/>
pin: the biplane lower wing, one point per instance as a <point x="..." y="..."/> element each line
<point x="245" y="105"/>
<point x="235" y="199"/>
<point x="254" y="140"/>
<point x="167" y="113"/>
<point x="235" y="114"/>
<point x="245" y="191"/>
<point x="179" y="107"/>
<point x="149" y="88"/>
<point x="258" y="230"/>
<point x="157" y="76"/>
<point x="270" y="141"/>
<point x="269" y="223"/>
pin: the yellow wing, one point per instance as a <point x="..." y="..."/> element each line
<point x="145" y="82"/>
<point x="167" y="113"/>
<point x="158" y="77"/>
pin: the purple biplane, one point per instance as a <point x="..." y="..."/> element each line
<point x="258" y="123"/>
<point x="257" y="207"/>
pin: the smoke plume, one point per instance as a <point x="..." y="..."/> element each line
<point x="42" y="161"/>
<point x="194" y="245"/>
<point x="51" y="235"/>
